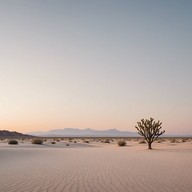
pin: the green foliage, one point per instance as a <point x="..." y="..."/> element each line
<point x="13" y="142"/>
<point x="150" y="130"/>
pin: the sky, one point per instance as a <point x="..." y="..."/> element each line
<point x="95" y="64"/>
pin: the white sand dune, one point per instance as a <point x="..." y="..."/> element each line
<point x="103" y="168"/>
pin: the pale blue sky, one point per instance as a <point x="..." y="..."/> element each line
<point x="95" y="63"/>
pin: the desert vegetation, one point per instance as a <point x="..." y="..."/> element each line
<point x="121" y="143"/>
<point x="150" y="130"/>
<point x="37" y="141"/>
<point x="13" y="142"/>
<point x="96" y="140"/>
<point x="86" y="141"/>
<point x="106" y="141"/>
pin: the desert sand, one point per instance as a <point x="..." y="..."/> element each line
<point x="96" y="167"/>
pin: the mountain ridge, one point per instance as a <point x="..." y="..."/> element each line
<point x="13" y="134"/>
<point x="85" y="132"/>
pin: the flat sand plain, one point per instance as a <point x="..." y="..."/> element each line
<point x="95" y="167"/>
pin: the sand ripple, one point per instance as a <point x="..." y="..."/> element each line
<point x="94" y="170"/>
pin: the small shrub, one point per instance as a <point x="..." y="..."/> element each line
<point x="53" y="142"/>
<point x="106" y="141"/>
<point x="142" y="142"/>
<point x="86" y="141"/>
<point x="13" y="142"/>
<point x="121" y="143"/>
<point x="67" y="144"/>
<point x="37" y="141"/>
<point x="172" y="141"/>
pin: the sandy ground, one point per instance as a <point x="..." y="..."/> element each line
<point x="96" y="167"/>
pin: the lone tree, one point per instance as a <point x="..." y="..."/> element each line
<point x="150" y="130"/>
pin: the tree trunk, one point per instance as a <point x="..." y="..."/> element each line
<point x="149" y="145"/>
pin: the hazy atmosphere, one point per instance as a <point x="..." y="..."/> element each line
<point x="95" y="64"/>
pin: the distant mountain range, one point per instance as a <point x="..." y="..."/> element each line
<point x="13" y="134"/>
<point x="75" y="132"/>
